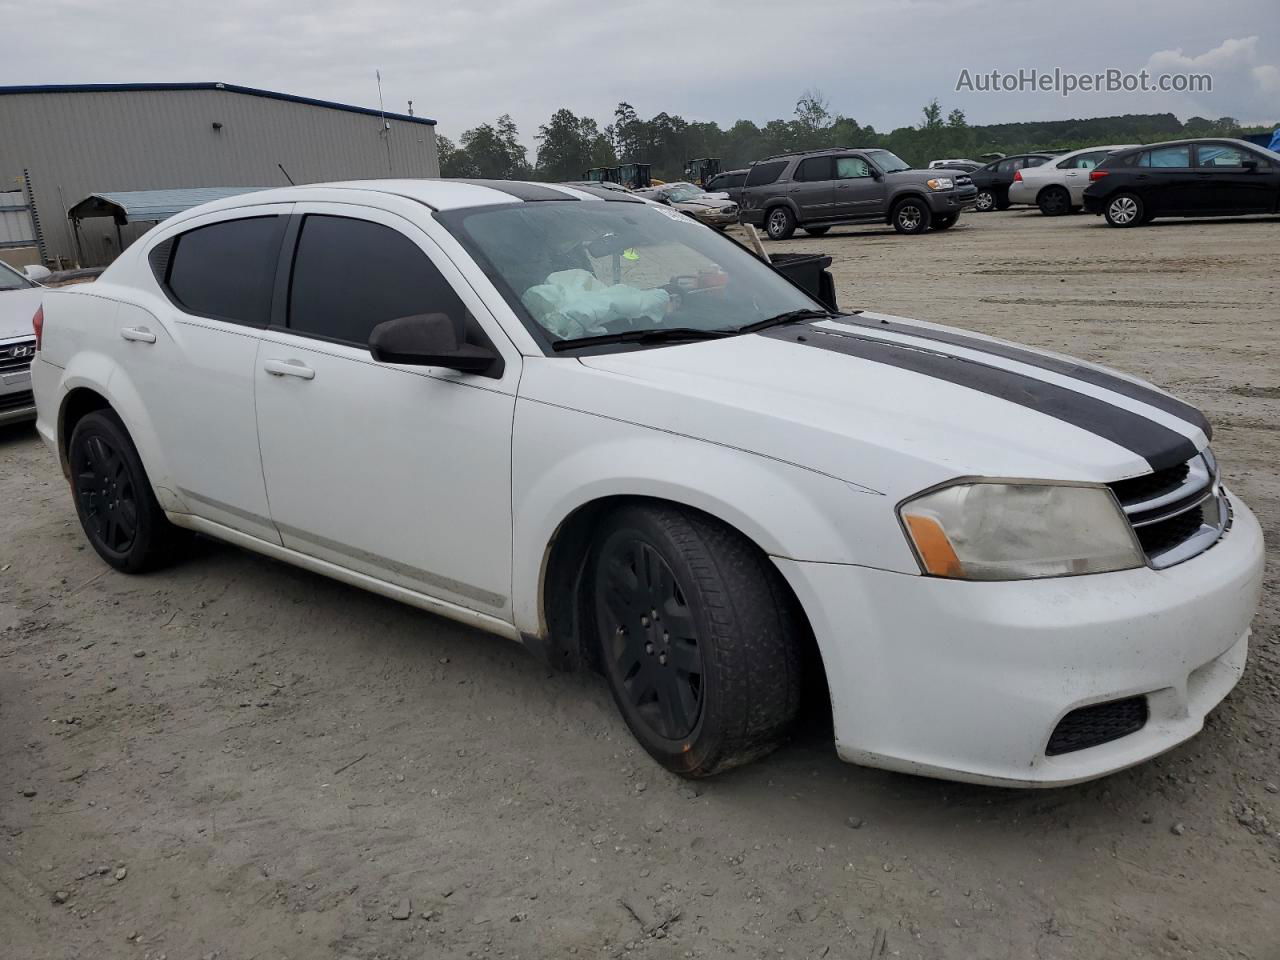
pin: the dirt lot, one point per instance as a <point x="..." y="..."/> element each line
<point x="238" y="759"/>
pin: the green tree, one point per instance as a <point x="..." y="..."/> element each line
<point x="495" y="152"/>
<point x="932" y="115"/>
<point x="569" y="145"/>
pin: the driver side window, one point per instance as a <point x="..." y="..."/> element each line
<point x="852" y="168"/>
<point x="351" y="275"/>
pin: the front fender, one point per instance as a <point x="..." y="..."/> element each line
<point x="564" y="459"/>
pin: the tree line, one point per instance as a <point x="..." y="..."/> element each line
<point x="568" y="145"/>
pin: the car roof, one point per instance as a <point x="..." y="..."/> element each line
<point x="1187" y="141"/>
<point x="437" y="194"/>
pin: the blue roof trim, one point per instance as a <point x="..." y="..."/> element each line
<point x="229" y="87"/>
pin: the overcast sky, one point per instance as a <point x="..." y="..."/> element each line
<point x="463" y="63"/>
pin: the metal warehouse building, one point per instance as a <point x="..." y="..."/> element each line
<point x="61" y="144"/>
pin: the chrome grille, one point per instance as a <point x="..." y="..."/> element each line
<point x="17" y="356"/>
<point x="963" y="180"/>
<point x="1176" y="513"/>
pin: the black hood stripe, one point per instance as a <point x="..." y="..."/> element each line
<point x="1066" y="368"/>
<point x="1154" y="442"/>
<point x="529" y="192"/>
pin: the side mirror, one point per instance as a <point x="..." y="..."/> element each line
<point x="875" y="174"/>
<point x="37" y="272"/>
<point x="1250" y="165"/>
<point x="429" y="340"/>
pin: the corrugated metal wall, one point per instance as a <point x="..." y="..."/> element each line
<point x="80" y="143"/>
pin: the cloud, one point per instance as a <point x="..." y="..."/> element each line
<point x="1243" y="84"/>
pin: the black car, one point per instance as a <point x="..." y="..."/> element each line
<point x="994" y="179"/>
<point x="729" y="182"/>
<point x="1184" y="178"/>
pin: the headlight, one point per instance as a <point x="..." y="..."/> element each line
<point x="1018" y="530"/>
<point x="940" y="183"/>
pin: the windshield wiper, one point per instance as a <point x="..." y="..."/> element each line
<point x="790" y="316"/>
<point x="654" y="335"/>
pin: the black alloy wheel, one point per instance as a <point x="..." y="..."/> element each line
<point x="651" y="646"/>
<point x="114" y="500"/>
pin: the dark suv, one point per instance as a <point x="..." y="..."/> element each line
<point x="818" y="189"/>
<point x="993" y="180"/>
<point x="730" y="182"/>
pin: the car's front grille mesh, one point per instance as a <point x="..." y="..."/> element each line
<point x="1097" y="724"/>
<point x="1177" y="512"/>
<point x="13" y="401"/>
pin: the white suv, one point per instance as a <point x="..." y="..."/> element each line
<point x="590" y="424"/>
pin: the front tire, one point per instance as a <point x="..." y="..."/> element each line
<point x="911" y="216"/>
<point x="780" y="223"/>
<point x="697" y="638"/>
<point x="1054" y="201"/>
<point x="985" y="201"/>
<point x="1125" y="210"/>
<point x="114" y="500"/>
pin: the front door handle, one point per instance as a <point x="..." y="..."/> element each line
<point x="138" y="334"/>
<point x="289" y="368"/>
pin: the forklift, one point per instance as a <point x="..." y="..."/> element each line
<point x="602" y="175"/>
<point x="634" y="176"/>
<point x="701" y="171"/>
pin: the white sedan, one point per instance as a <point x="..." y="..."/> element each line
<point x="1057" y="187"/>
<point x="588" y="423"/>
<point x="19" y="297"/>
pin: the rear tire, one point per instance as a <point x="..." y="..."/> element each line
<point x="780" y="223"/>
<point x="945" y="221"/>
<point x="816" y="231"/>
<point x="985" y="201"/>
<point x="1054" y="201"/>
<point x="911" y="216"/>
<point x="1125" y="210"/>
<point x="114" y="500"/>
<point x="697" y="638"/>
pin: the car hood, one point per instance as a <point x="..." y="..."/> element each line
<point x="17" y="307"/>
<point x="890" y="404"/>
<point x="707" y="202"/>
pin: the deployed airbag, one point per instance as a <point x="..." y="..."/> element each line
<point x="574" y="303"/>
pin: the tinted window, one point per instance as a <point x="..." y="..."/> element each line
<point x="849" y="168"/>
<point x="1221" y="155"/>
<point x="764" y="173"/>
<point x="1035" y="161"/>
<point x="1008" y="166"/>
<point x="226" y="270"/>
<point x="1166" y="157"/>
<point x="815" y="168"/>
<point x="350" y="275"/>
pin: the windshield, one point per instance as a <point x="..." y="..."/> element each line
<point x="582" y="269"/>
<point x="10" y="279"/>
<point x="683" y="191"/>
<point x="888" y="162"/>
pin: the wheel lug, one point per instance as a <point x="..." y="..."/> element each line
<point x="644" y="621"/>
<point x="648" y="648"/>
<point x="621" y="630"/>
<point x="662" y="659"/>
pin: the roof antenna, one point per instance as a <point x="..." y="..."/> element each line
<point x="286" y="174"/>
<point x="386" y="127"/>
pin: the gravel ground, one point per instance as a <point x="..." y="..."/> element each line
<point x="236" y="759"/>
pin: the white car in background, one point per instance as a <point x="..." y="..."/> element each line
<point x="1057" y="187"/>
<point x="588" y="423"/>
<point x="19" y="299"/>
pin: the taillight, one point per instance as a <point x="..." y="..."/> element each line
<point x="1017" y="176"/>
<point x="1098" y="174"/>
<point x="37" y="324"/>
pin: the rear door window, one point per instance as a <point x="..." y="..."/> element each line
<point x="765" y="173"/>
<point x="815" y="168"/>
<point x="351" y="275"/>
<point x="1166" y="157"/>
<point x="225" y="271"/>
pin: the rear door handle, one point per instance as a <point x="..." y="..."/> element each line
<point x="289" y="368"/>
<point x="138" y="334"/>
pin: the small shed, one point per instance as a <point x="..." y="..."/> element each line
<point x="145" y="206"/>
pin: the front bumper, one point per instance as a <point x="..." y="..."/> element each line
<point x="952" y="201"/>
<point x="967" y="681"/>
<point x="17" y="403"/>
<point x="1093" y="204"/>
<point x="717" y="219"/>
